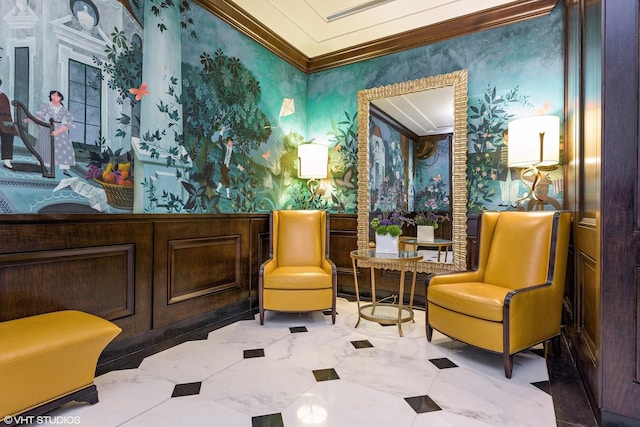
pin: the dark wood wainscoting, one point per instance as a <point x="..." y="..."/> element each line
<point x="155" y="276"/>
<point x="100" y="266"/>
<point x="158" y="277"/>
<point x="199" y="266"/>
<point x="343" y="240"/>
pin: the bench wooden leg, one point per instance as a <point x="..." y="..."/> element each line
<point x="88" y="394"/>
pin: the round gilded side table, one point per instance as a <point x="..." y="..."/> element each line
<point x="381" y="311"/>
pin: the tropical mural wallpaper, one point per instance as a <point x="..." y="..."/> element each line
<point x="168" y="109"/>
<point x="387" y="174"/>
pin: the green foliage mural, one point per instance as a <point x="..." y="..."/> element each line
<point x="122" y="71"/>
<point x="218" y="92"/>
<point x="186" y="21"/>
<point x="343" y="163"/>
<point x="224" y="92"/>
<point x="123" y="66"/>
<point x="487" y="122"/>
<point x="227" y="80"/>
<point x="151" y="138"/>
<point x="278" y="189"/>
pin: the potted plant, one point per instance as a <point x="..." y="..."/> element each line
<point x="426" y="223"/>
<point x="388" y="227"/>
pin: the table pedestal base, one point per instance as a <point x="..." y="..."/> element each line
<point x="385" y="313"/>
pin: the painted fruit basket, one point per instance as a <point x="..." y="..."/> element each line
<point x="118" y="196"/>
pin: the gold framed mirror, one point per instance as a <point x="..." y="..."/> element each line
<point x="459" y="81"/>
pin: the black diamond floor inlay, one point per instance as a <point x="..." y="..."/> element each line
<point x="256" y="352"/>
<point x="422" y="404"/>
<point x="328" y="312"/>
<point x="325" y="374"/>
<point x="362" y="344"/>
<point x="296" y="329"/>
<point x="443" y="363"/>
<point x="186" y="389"/>
<point x="271" y="420"/>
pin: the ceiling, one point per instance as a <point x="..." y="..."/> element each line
<point x="319" y="27"/>
<point x="315" y="35"/>
<point x="429" y="112"/>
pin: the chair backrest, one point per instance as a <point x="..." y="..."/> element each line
<point x="299" y="237"/>
<point x="516" y="247"/>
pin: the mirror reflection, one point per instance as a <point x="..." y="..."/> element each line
<point x="412" y="157"/>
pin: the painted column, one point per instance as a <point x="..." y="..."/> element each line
<point x="159" y="155"/>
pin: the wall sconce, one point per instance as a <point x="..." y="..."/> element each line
<point x="534" y="144"/>
<point x="312" y="165"/>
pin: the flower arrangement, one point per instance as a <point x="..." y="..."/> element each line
<point x="390" y="223"/>
<point x="427" y="218"/>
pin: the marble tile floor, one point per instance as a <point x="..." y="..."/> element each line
<point x="300" y="370"/>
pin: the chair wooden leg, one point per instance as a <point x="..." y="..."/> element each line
<point x="508" y="364"/>
<point x="427" y="326"/>
<point x="261" y="315"/>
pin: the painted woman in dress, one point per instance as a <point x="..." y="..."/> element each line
<point x="65" y="157"/>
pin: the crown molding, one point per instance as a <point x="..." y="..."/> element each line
<point x="492" y="18"/>
<point x="252" y="28"/>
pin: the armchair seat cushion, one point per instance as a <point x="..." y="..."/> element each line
<point x="476" y="299"/>
<point x="298" y="278"/>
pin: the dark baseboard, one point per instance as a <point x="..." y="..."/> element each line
<point x="129" y="353"/>
<point x="570" y="399"/>
<point x="615" y="420"/>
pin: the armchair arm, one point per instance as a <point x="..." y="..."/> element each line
<point x="540" y="305"/>
<point x="329" y="266"/>
<point x="267" y="267"/>
<point x="454" y="277"/>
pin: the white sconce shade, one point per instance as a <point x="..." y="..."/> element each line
<point x="312" y="161"/>
<point x="526" y="135"/>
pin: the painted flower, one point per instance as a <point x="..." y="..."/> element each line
<point x="140" y="92"/>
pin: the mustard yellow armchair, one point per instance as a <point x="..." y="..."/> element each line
<point x="298" y="276"/>
<point x="513" y="299"/>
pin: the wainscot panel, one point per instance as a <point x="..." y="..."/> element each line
<point x="97" y="264"/>
<point x="200" y="264"/>
<point x="158" y="277"/>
